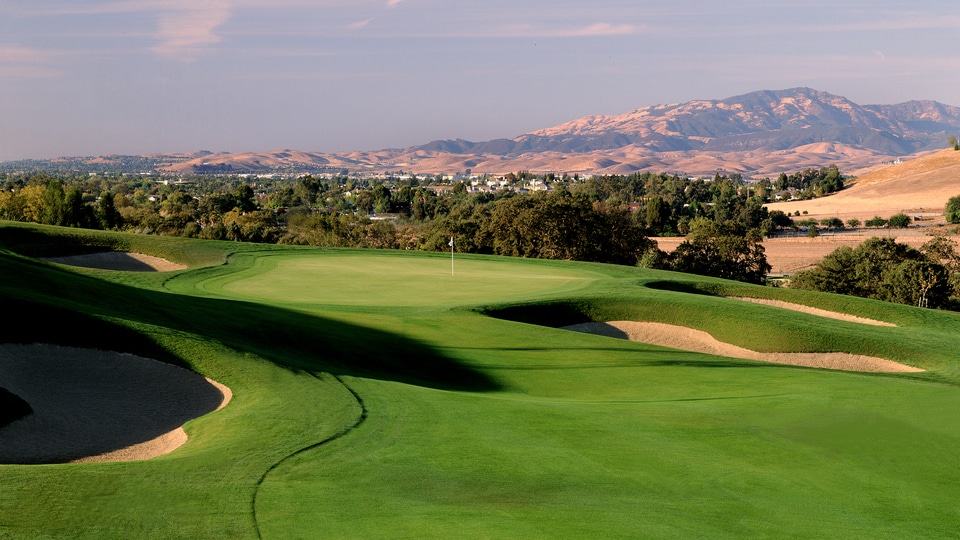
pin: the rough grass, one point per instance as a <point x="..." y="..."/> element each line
<point x="372" y="400"/>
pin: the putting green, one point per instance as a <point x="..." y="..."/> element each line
<point x="398" y="281"/>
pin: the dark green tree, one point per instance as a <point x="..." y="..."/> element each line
<point x="899" y="221"/>
<point x="107" y="214"/>
<point x="54" y="208"/>
<point x="952" y="211"/>
<point x="876" y="222"/>
<point x="713" y="250"/>
<point x="883" y="269"/>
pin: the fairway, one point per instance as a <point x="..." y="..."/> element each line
<point x="377" y="396"/>
<point x="401" y="281"/>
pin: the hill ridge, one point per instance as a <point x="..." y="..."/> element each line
<point x="760" y="133"/>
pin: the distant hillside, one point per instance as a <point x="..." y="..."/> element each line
<point x="774" y="120"/>
<point x="917" y="186"/>
<point x="757" y="134"/>
<point x="760" y="132"/>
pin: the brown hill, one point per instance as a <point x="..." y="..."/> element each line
<point x="758" y="134"/>
<point x="919" y="186"/>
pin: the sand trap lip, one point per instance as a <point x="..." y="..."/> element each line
<point x="119" y="260"/>
<point x="688" y="339"/>
<point x="92" y="405"/>
<point x="812" y="311"/>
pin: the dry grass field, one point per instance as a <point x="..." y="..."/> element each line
<point x="919" y="188"/>
<point x="791" y="254"/>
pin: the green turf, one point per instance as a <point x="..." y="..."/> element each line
<point x="377" y="396"/>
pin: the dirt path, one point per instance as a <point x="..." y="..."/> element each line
<point x="688" y="339"/>
<point x="92" y="405"/>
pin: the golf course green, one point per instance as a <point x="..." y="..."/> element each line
<point x="396" y="395"/>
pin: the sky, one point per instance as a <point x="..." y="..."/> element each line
<point x="99" y="77"/>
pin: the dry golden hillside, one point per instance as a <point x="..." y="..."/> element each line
<point x="920" y="186"/>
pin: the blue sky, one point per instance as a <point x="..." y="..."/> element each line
<point x="93" y="77"/>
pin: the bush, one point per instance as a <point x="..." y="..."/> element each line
<point x="883" y="269"/>
<point x="952" y="212"/>
<point x="899" y="221"/>
<point x="876" y="221"/>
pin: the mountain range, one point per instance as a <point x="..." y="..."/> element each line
<point x="757" y="134"/>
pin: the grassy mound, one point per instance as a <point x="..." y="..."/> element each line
<point x="378" y="396"/>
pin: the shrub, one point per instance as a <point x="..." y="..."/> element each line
<point x="883" y="269"/>
<point x="876" y="221"/>
<point x="899" y="221"/>
<point x="952" y="212"/>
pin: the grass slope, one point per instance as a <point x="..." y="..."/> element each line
<point x="376" y="395"/>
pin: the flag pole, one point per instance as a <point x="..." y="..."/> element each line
<point x="451" y="255"/>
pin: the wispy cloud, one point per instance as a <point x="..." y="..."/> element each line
<point x="187" y="27"/>
<point x="541" y="31"/>
<point x="360" y="24"/>
<point x="602" y="29"/>
<point x="184" y="28"/>
<point x="392" y="3"/>
<point x="18" y="62"/>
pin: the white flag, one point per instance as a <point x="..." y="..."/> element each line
<point x="451" y="242"/>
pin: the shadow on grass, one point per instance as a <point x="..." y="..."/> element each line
<point x="62" y="307"/>
<point x="688" y="287"/>
<point x="681" y="358"/>
<point x="12" y="407"/>
<point x="554" y="314"/>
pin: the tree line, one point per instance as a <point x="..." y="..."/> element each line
<point x="884" y="269"/>
<point x="604" y="219"/>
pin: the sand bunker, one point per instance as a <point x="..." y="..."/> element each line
<point x="92" y="405"/>
<point x="118" y="260"/>
<point x="688" y="339"/>
<point x="812" y="311"/>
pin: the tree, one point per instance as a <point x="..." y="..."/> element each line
<point x="899" y="221"/>
<point x="952" y="141"/>
<point x="952" y="211"/>
<point x="832" y="223"/>
<point x="75" y="212"/>
<point x="561" y="225"/>
<point x="884" y="269"/>
<point x="943" y="250"/>
<point x="876" y="221"/>
<point x="53" y="204"/>
<point x="780" y="219"/>
<point x="244" y="196"/>
<point x="835" y="273"/>
<point x="107" y="213"/>
<point x="382" y="199"/>
<point x="714" y="250"/>
<point x="657" y="215"/>
<point x="853" y="223"/>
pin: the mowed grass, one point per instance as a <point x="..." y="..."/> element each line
<point x="375" y="397"/>
<point x="352" y="278"/>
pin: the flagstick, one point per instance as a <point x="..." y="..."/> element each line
<point x="451" y="256"/>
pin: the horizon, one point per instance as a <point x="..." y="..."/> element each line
<point x="141" y="77"/>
